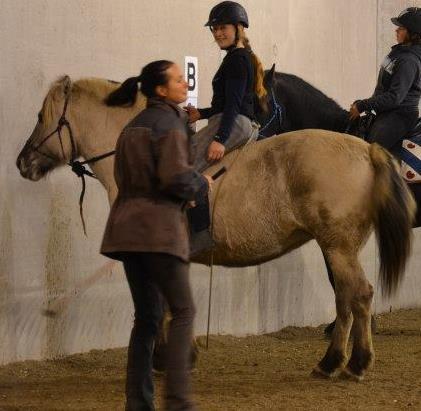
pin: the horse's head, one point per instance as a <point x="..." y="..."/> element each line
<point x="269" y="114"/>
<point x="50" y="143"/>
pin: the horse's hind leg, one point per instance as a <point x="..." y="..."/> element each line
<point x="335" y="357"/>
<point x="330" y="327"/>
<point x="362" y="355"/>
<point x="353" y="297"/>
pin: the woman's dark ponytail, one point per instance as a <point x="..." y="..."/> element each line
<point x="125" y="95"/>
<point x="152" y="75"/>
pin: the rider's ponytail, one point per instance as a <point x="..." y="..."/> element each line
<point x="152" y="75"/>
<point x="259" y="87"/>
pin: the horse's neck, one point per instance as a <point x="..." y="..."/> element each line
<point x="104" y="171"/>
<point x="315" y="110"/>
<point x="102" y="127"/>
<point x="341" y="121"/>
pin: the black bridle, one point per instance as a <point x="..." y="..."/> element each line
<point x="78" y="167"/>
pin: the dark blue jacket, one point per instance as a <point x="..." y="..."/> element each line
<point x="233" y="91"/>
<point x="399" y="81"/>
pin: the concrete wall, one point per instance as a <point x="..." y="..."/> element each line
<point x="334" y="44"/>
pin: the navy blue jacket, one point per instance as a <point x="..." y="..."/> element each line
<point x="233" y="91"/>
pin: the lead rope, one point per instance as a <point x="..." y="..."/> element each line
<point x="78" y="167"/>
<point x="211" y="232"/>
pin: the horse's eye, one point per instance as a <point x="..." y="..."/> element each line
<point x="39" y="118"/>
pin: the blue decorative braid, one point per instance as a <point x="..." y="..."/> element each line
<point x="277" y="113"/>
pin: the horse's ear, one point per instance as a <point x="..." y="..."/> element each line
<point x="268" y="79"/>
<point x="61" y="87"/>
<point x="67" y="83"/>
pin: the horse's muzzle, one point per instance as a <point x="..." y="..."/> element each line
<point x="31" y="166"/>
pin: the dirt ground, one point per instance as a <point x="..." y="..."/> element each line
<point x="270" y="372"/>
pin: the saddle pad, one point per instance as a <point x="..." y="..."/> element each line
<point x="411" y="161"/>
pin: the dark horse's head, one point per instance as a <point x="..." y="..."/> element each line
<point x="269" y="113"/>
<point x="294" y="104"/>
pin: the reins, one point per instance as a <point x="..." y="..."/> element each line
<point x="277" y="114"/>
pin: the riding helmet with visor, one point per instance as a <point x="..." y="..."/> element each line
<point x="228" y="12"/>
<point x="410" y="18"/>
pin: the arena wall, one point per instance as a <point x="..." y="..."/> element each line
<point x="46" y="261"/>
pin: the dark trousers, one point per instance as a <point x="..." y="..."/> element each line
<point x="390" y="128"/>
<point x="151" y="277"/>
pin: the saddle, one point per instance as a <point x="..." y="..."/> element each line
<point x="410" y="153"/>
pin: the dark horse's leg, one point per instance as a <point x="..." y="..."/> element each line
<point x="329" y="329"/>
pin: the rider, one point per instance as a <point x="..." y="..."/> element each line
<point x="397" y="94"/>
<point x="237" y="83"/>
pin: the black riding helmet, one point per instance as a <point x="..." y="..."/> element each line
<point x="410" y="18"/>
<point x="228" y="12"/>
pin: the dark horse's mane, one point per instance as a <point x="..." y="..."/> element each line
<point x="306" y="106"/>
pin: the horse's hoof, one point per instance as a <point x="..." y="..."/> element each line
<point x="347" y="374"/>
<point x="319" y="373"/>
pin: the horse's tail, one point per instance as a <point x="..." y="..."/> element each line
<point x="393" y="213"/>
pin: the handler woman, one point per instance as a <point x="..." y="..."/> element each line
<point x="237" y="88"/>
<point x="397" y="94"/>
<point x="146" y="229"/>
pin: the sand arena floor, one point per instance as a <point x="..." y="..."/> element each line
<point x="269" y="372"/>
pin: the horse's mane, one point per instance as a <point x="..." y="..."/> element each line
<point x="300" y="97"/>
<point x="96" y="88"/>
<point x="92" y="87"/>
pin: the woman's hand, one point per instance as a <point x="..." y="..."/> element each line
<point x="193" y="113"/>
<point x="353" y="112"/>
<point x="215" y="151"/>
<point x="210" y="181"/>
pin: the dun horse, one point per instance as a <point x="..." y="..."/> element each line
<point x="278" y="194"/>
<point x="297" y="105"/>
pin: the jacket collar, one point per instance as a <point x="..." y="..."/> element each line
<point x="165" y="105"/>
